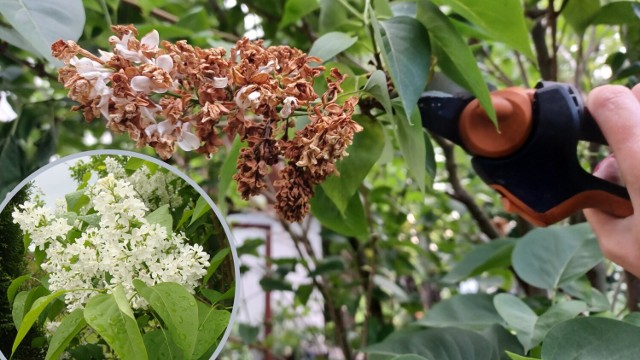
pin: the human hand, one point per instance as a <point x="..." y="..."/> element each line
<point x="616" y="109"/>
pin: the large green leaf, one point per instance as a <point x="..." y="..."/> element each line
<point x="178" y="310"/>
<point x="502" y="341"/>
<point x="294" y="10"/>
<point x="405" y="49"/>
<point x="352" y="222"/>
<point x="411" y="138"/>
<point x="332" y="15"/>
<point x="115" y="324"/>
<point x="41" y="23"/>
<point x="551" y="257"/>
<point x="619" y="12"/>
<point x="529" y="327"/>
<point x="592" y="338"/>
<point x="211" y="324"/>
<point x="502" y="20"/>
<point x="481" y="258"/>
<point x="363" y="153"/>
<point x="464" y="68"/>
<point x="469" y="311"/>
<point x="32" y="316"/>
<point x="160" y="346"/>
<point x="68" y="329"/>
<point x="331" y="44"/>
<point x="434" y="344"/>
<point x="579" y="14"/>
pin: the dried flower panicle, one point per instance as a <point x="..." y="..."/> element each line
<point x="165" y="94"/>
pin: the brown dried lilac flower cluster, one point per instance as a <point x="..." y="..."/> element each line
<point x="165" y="94"/>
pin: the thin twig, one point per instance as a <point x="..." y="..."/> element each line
<point x="340" y="328"/>
<point x="523" y="70"/>
<point x="460" y="194"/>
<point x="498" y="72"/>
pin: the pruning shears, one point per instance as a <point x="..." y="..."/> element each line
<point x="531" y="157"/>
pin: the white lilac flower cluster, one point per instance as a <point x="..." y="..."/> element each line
<point x="154" y="189"/>
<point x="112" y="243"/>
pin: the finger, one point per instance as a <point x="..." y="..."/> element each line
<point x="617" y="112"/>
<point x="636" y="91"/>
<point x="615" y="239"/>
<point x="609" y="170"/>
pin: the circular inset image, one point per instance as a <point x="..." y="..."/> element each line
<point x="113" y="254"/>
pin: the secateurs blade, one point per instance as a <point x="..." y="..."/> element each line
<point x="531" y="158"/>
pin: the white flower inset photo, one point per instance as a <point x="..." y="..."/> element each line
<point x="122" y="257"/>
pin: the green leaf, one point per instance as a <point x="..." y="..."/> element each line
<point x="409" y="357"/>
<point x="513" y="356"/>
<point x="403" y="8"/>
<point x="518" y="316"/>
<point x="463" y="67"/>
<point x="275" y="284"/>
<point x="617" y="13"/>
<point x="18" y="308"/>
<point x="331" y="44"/>
<point x="69" y="327"/>
<point x="295" y="10"/>
<point x="551" y="257"/>
<point x="411" y="138"/>
<point x="558" y="313"/>
<point x="211" y="324"/>
<point x="41" y="23"/>
<point x="178" y="310"/>
<point x="23" y="303"/>
<point x="104" y="313"/>
<point x="227" y="171"/>
<point x="15" y="285"/>
<point x="529" y="327"/>
<point x="14" y="38"/>
<point x="469" y="311"/>
<point x="502" y="20"/>
<point x="248" y="333"/>
<point x="382" y="8"/>
<point x="434" y="344"/>
<point x="404" y="45"/>
<point x="202" y="207"/>
<point x="215" y="262"/>
<point x="377" y="87"/>
<point x="161" y="346"/>
<point x="328" y="265"/>
<point x="391" y="288"/>
<point x="332" y="15"/>
<point x="76" y="201"/>
<point x="632" y="318"/>
<point x="162" y="217"/>
<point x="496" y="254"/>
<point x="33" y="314"/>
<point x="363" y="153"/>
<point x="352" y="223"/>
<point x="578" y="14"/>
<point x="592" y="338"/>
<point x="92" y="220"/>
<point x="303" y="293"/>
<point x="215" y="296"/>
<point x="502" y="341"/>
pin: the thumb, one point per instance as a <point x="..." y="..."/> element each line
<point x="609" y="170"/>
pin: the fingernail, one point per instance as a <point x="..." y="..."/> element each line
<point x="599" y="165"/>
